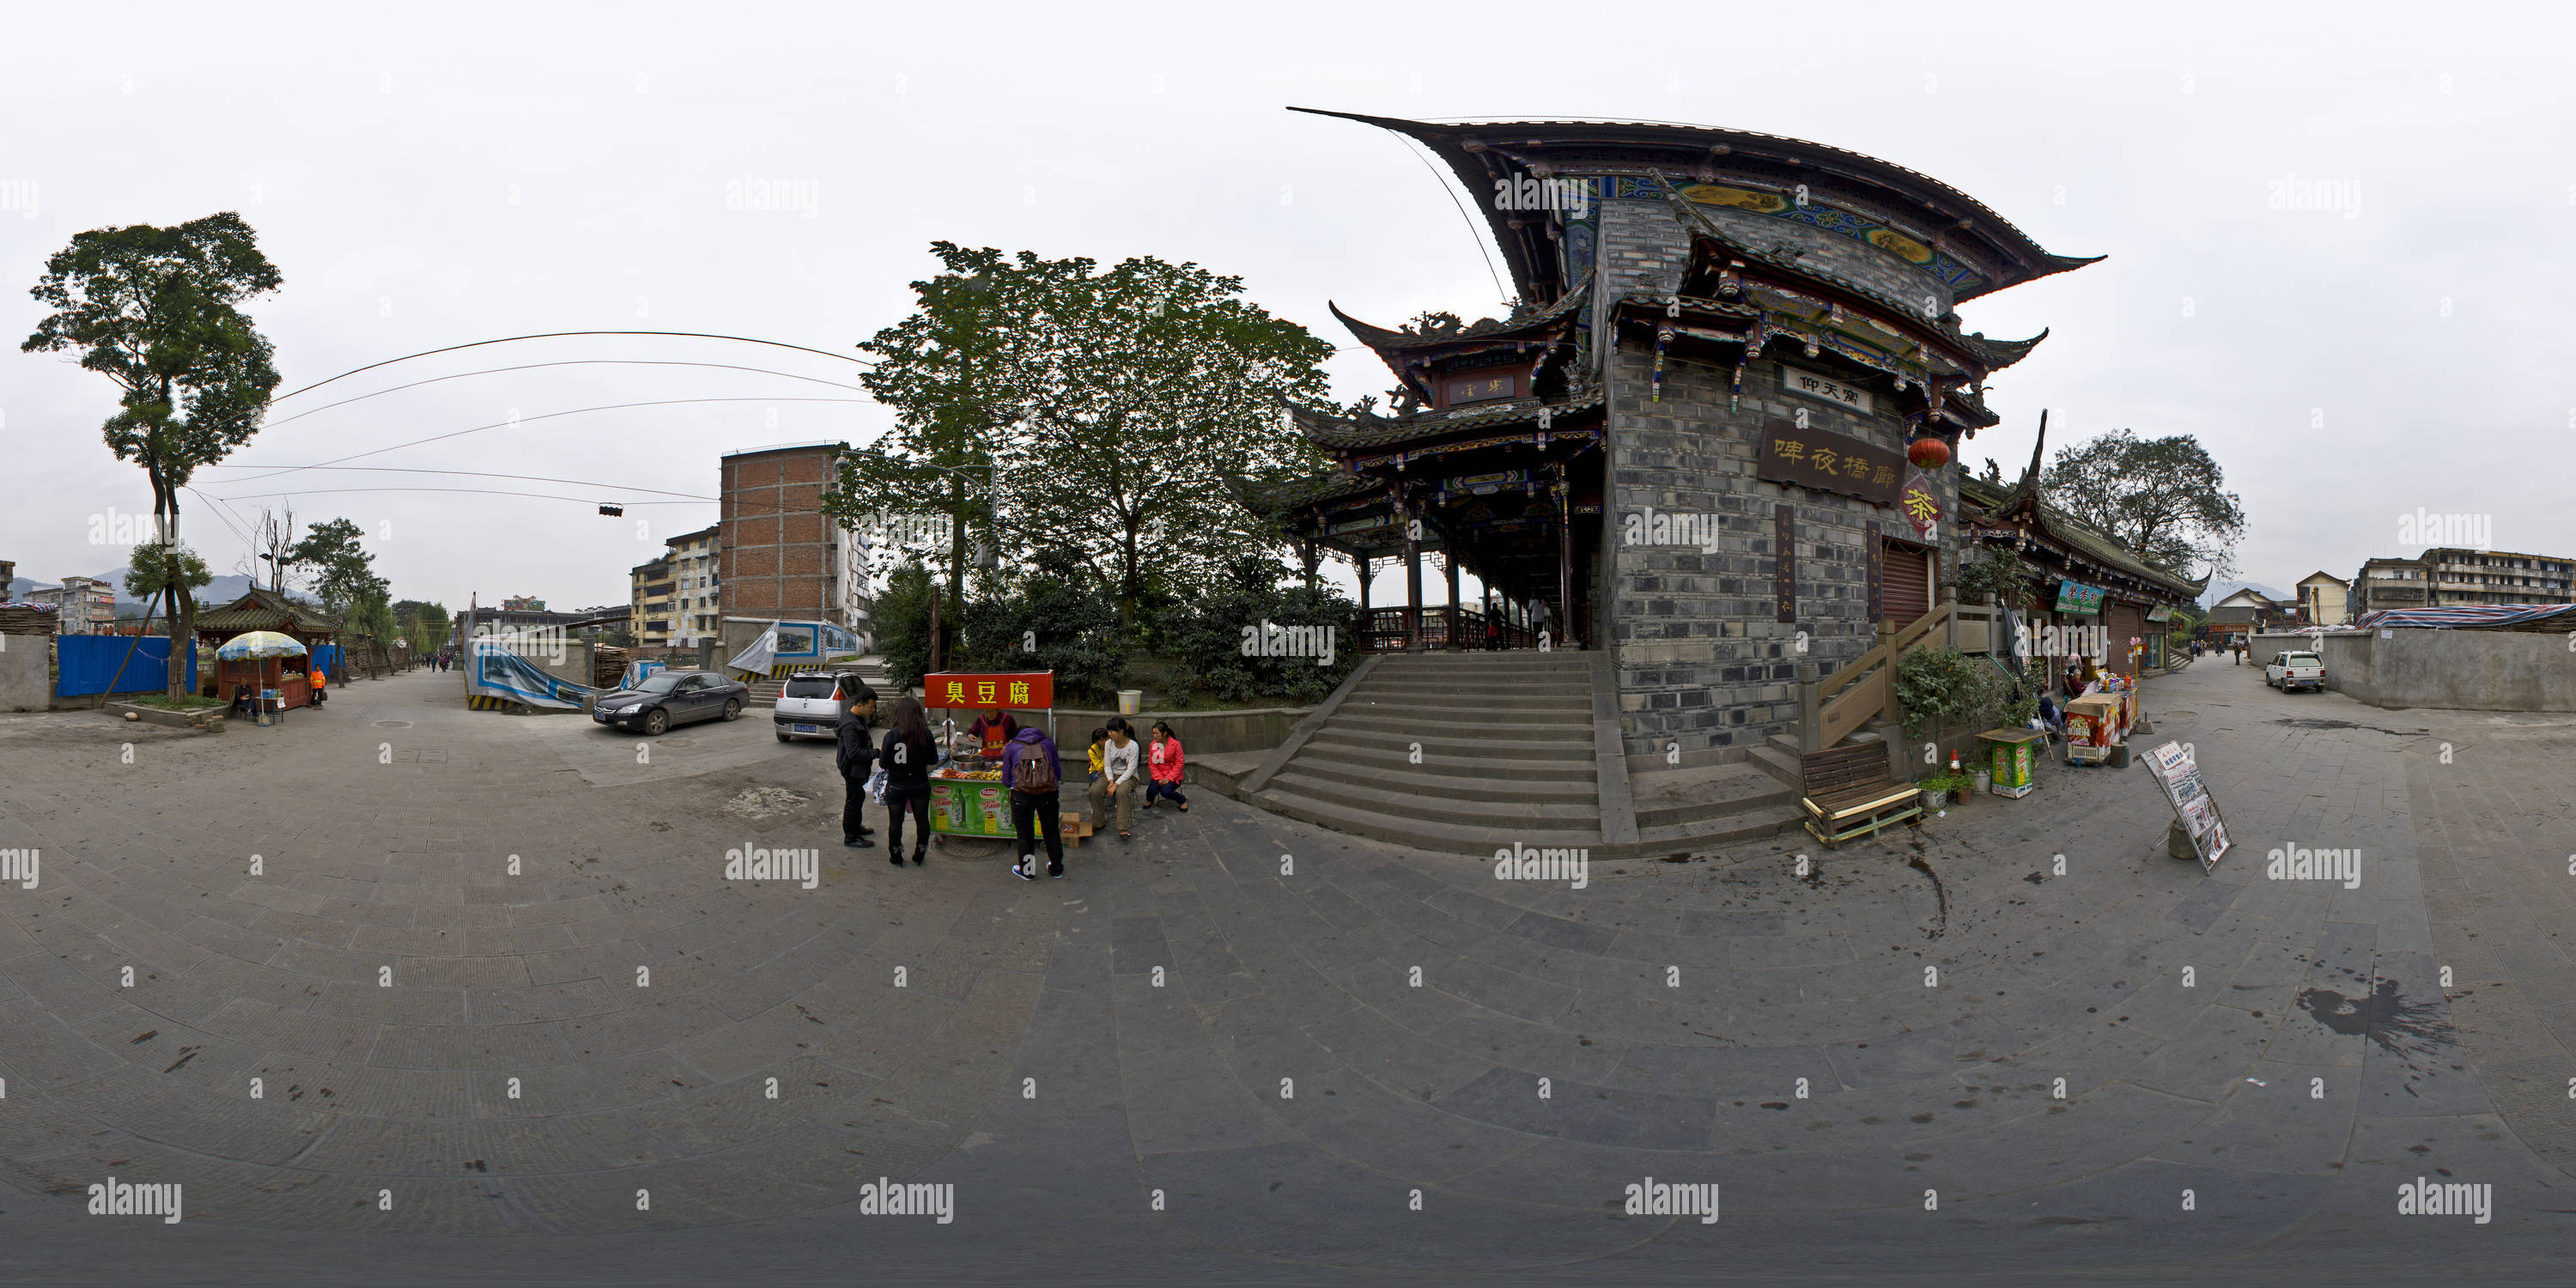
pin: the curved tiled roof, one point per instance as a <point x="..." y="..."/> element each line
<point x="260" y="610"/>
<point x="1271" y="497"/>
<point x="1332" y="433"/>
<point x="1932" y="202"/>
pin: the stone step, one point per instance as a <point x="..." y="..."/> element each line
<point x="1414" y="725"/>
<point x="1733" y="829"/>
<point x="1559" y="711"/>
<point x="1441" y="667"/>
<point x="1514" y="785"/>
<point x="1412" y="807"/>
<point x="1705" y="793"/>
<point x="1421" y="834"/>
<point x="1398" y="759"/>
<point x="1781" y="765"/>
<point x="1477" y="690"/>
<point x="1448" y="748"/>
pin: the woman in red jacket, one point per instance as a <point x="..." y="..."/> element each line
<point x="1164" y="766"/>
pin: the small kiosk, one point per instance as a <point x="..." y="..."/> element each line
<point x="967" y="795"/>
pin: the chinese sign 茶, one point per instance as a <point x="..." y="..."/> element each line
<point x="1921" y="504"/>
<point x="1813" y="458"/>
<point x="2076" y="597"/>
<point x="1022" y="691"/>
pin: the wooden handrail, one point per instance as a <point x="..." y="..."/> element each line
<point x="1861" y="690"/>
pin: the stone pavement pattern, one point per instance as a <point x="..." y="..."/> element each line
<point x="1227" y="1014"/>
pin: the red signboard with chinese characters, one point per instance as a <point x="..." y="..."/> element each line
<point x="979" y="691"/>
<point x="1921" y="504"/>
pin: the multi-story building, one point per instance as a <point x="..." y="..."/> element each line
<point x="2389" y="583"/>
<point x="86" y="605"/>
<point x="649" y="603"/>
<point x="2446" y="576"/>
<point x="2322" y="598"/>
<point x="8" y="576"/>
<point x="696" y="586"/>
<point x="2457" y="576"/>
<point x="778" y="556"/>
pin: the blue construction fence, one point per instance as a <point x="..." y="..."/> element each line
<point x="90" y="664"/>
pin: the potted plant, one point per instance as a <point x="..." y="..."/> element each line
<point x="1936" y="791"/>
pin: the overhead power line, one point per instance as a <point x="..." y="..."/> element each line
<point x="481" y="474"/>
<point x="573" y="362"/>
<point x="557" y="335"/>
<point x="504" y="424"/>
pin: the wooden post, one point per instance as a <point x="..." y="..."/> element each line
<point x="1811" y="710"/>
<point x="1449" y="559"/>
<point x="1564" y="555"/>
<point x="1412" y="571"/>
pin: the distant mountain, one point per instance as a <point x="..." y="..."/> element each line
<point x="222" y="590"/>
<point x="2219" y="590"/>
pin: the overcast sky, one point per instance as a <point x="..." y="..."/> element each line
<point x="474" y="172"/>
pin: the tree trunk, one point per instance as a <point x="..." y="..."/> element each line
<point x="957" y="547"/>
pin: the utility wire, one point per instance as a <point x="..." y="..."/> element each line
<point x="480" y="474"/>
<point x="556" y="335"/>
<point x="658" y="402"/>
<point x="1473" y="232"/>
<point x="477" y="491"/>
<point x="576" y="362"/>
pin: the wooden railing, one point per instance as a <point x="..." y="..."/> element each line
<point x="1394" y="630"/>
<point x="1863" y="689"/>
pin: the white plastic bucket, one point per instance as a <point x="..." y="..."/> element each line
<point x="1130" y="701"/>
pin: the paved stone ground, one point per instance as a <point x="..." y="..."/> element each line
<point x="1063" y="1052"/>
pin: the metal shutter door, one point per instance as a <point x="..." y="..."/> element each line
<point x="1907" y="593"/>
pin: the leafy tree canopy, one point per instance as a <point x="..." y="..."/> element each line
<point x="344" y="571"/>
<point x="1085" y="410"/>
<point x="2161" y="497"/>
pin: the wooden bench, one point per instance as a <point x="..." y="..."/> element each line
<point x="1849" y="793"/>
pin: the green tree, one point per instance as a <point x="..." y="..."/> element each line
<point x="1151" y="382"/>
<point x="154" y="309"/>
<point x="154" y="570"/>
<point x="345" y="572"/>
<point x="948" y="372"/>
<point x="1090" y="411"/>
<point x="2161" y="497"/>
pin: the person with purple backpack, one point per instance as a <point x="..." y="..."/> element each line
<point x="1030" y="766"/>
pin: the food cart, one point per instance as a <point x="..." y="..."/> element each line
<point x="254" y="663"/>
<point x="967" y="795"/>
<point x="2098" y="723"/>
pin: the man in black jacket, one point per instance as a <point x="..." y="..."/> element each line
<point x="856" y="757"/>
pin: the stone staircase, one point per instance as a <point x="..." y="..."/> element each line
<point x="1506" y="757"/>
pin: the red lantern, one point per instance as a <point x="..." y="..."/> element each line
<point x="1929" y="453"/>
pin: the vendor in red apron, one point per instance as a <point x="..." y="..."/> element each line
<point x="991" y="733"/>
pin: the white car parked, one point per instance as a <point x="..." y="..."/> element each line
<point x="2287" y="671"/>
<point x="810" y="706"/>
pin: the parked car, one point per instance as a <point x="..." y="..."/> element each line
<point x="667" y="698"/>
<point x="2288" y="671"/>
<point x="810" y="705"/>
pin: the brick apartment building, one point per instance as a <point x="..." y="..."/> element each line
<point x="777" y="556"/>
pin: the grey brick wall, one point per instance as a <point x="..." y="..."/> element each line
<point x="1701" y="658"/>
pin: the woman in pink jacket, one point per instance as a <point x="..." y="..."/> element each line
<point x="1163" y="764"/>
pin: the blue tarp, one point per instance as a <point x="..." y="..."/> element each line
<point x="2463" y="616"/>
<point x="495" y="671"/>
<point x="637" y="670"/>
<point x="89" y="664"/>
